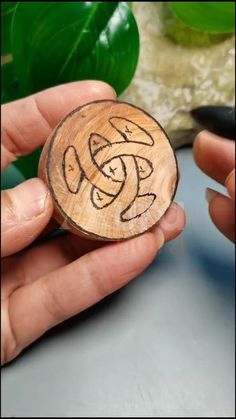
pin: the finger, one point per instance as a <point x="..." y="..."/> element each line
<point x="214" y="155"/>
<point x="26" y="123"/>
<point x="75" y="287"/>
<point x="36" y="261"/>
<point x="230" y="184"/>
<point x="26" y="210"/>
<point x="222" y="213"/>
<point x="44" y="258"/>
<point x="173" y="222"/>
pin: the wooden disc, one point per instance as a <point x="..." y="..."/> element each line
<point x="111" y="171"/>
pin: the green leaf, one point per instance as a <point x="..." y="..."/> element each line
<point x="212" y="17"/>
<point x="58" y="42"/>
<point x="11" y="177"/>
<point x="10" y="86"/>
<point x="188" y="37"/>
<point x="7" y="11"/>
<point x="28" y="165"/>
<point x="7" y="7"/>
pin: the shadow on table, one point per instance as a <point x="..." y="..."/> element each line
<point x="216" y="268"/>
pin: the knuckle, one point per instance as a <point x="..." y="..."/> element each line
<point x="51" y="302"/>
<point x="97" y="274"/>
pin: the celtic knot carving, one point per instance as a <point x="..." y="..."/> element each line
<point x="113" y="169"/>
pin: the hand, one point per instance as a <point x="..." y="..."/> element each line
<point x="216" y="157"/>
<point x="46" y="283"/>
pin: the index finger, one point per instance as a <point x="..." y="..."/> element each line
<point x="26" y="123"/>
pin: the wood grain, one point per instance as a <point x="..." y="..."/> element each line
<point x="111" y="171"/>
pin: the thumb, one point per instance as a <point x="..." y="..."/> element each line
<point x="26" y="210"/>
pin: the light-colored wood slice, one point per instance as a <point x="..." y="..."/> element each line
<point x="111" y="171"/>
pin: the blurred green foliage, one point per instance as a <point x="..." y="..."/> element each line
<point x="57" y="42"/>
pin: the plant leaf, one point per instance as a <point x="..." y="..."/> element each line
<point x="212" y="17"/>
<point x="56" y="43"/>
<point x="7" y="10"/>
<point x="11" y="177"/>
<point x="181" y="34"/>
<point x="28" y="165"/>
<point x="10" y="86"/>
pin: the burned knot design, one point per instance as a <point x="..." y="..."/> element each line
<point x="115" y="170"/>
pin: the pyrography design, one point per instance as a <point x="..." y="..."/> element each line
<point x="107" y="166"/>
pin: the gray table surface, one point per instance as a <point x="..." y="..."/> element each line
<point x="161" y="347"/>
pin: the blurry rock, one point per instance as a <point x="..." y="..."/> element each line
<point x="171" y="80"/>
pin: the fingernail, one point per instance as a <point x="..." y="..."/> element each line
<point x="230" y="184"/>
<point x="210" y="194"/>
<point x="159" y="236"/>
<point x="230" y="176"/>
<point x="171" y="215"/>
<point x="29" y="199"/>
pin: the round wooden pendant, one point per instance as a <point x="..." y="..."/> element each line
<point x="111" y="171"/>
